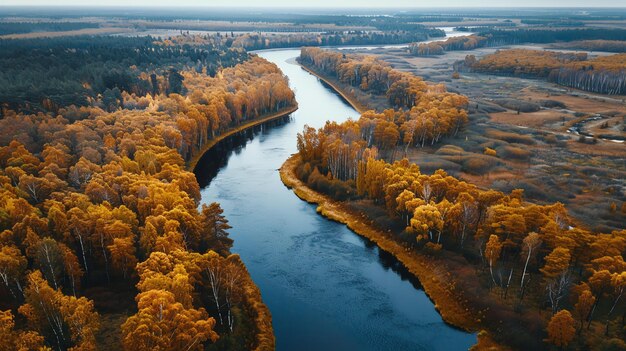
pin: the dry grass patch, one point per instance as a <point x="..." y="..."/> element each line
<point x="539" y="119"/>
<point x="512" y="152"/>
<point x="485" y="181"/>
<point x="602" y="148"/>
<point x="510" y="137"/>
<point x="478" y="164"/>
<point x="581" y="103"/>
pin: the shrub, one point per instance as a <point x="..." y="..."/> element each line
<point x="341" y="190"/>
<point x="478" y="165"/>
<point x="550" y="139"/>
<point x="449" y="150"/>
<point x="518" y="105"/>
<point x="319" y="182"/>
<point x="510" y="137"/>
<point x="552" y="104"/>
<point x="448" y="164"/>
<point x="303" y="171"/>
<point x="512" y="152"/>
<point x="493" y="144"/>
<point x="432" y="247"/>
<point x="490" y="152"/>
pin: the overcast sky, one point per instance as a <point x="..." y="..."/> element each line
<point x="326" y="3"/>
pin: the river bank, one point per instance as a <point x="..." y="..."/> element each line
<point x="438" y="287"/>
<point x="431" y="271"/>
<point x="310" y="269"/>
<point x="361" y="108"/>
<point x="191" y="165"/>
<point x="264" y="339"/>
<point x="437" y="283"/>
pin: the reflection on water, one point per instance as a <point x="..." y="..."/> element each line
<point x="327" y="288"/>
<point x="217" y="157"/>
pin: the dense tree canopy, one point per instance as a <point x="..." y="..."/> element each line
<point x="29" y="27"/>
<point x="603" y="74"/>
<point x="537" y="251"/>
<point x="87" y="71"/>
<point x="454" y="43"/>
<point x="425" y="112"/>
<point x="268" y="41"/>
<point x="594" y="45"/>
<point x="99" y="198"/>
<point x="506" y="36"/>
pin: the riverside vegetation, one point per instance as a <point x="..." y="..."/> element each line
<point x="102" y="243"/>
<point x="528" y="275"/>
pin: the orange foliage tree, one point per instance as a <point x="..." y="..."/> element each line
<point x="561" y="329"/>
<point x="89" y="195"/>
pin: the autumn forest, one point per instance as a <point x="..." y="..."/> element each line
<point x="96" y="194"/>
<point x="463" y="177"/>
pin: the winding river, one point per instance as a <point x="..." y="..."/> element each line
<point x="327" y="288"/>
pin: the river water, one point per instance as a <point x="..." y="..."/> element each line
<point x="326" y="287"/>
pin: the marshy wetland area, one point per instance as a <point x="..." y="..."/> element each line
<point x="556" y="143"/>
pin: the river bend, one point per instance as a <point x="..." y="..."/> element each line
<point x="326" y="287"/>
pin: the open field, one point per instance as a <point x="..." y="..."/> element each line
<point x="546" y="118"/>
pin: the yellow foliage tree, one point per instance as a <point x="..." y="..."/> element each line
<point x="492" y="253"/>
<point x="164" y="324"/>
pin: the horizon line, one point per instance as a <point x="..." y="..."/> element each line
<point x="308" y="6"/>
